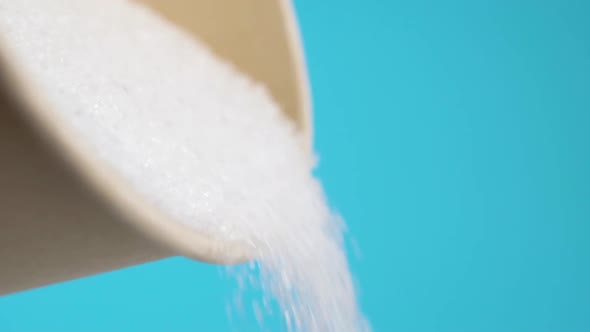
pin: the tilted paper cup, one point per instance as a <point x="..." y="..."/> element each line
<point x="64" y="215"/>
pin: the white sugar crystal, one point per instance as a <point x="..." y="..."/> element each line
<point x="198" y="140"/>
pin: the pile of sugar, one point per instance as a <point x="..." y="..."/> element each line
<point x="200" y="141"/>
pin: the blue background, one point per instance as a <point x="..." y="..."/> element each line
<point x="454" y="139"/>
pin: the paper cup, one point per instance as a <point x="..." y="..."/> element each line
<point x="65" y="215"/>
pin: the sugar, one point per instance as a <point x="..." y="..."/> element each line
<point x="197" y="139"/>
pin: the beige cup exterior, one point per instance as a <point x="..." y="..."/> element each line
<point x="64" y="215"/>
